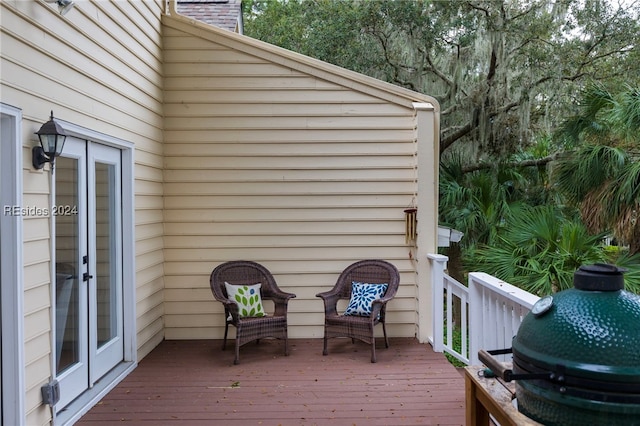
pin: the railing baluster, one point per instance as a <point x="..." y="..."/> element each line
<point x="465" y="332"/>
<point x="449" y="324"/>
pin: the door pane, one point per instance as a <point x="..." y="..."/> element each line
<point x="106" y="251"/>
<point x="67" y="263"/>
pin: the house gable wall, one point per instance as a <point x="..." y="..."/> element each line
<point x="98" y="66"/>
<point x="267" y="162"/>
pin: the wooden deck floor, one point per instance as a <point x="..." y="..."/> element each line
<point x="195" y="383"/>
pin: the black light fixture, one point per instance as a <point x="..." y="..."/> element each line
<point x="52" y="138"/>
<point x="63" y="5"/>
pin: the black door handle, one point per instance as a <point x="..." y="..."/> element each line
<point x="86" y="276"/>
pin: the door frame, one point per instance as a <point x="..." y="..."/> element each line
<point x="88" y="399"/>
<point x="13" y="380"/>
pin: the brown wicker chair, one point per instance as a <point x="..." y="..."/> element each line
<point x="248" y="329"/>
<point x="359" y="327"/>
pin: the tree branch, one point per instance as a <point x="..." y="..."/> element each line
<point x="447" y="141"/>
<point x="482" y="9"/>
<point x="465" y="129"/>
<point x="437" y="72"/>
<point x="526" y="163"/>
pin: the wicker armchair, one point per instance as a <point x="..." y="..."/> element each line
<point x="353" y="326"/>
<point x="248" y="329"/>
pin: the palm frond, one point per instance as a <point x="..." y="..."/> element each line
<point x="540" y="250"/>
<point x="627" y="115"/>
<point x="588" y="168"/>
<point x="632" y="277"/>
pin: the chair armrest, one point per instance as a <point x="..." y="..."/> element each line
<point x="280" y="303"/>
<point x="231" y="308"/>
<point x="330" y="299"/>
<point x="329" y="295"/>
<point x="378" y="306"/>
<point x="281" y="295"/>
<point x="383" y="299"/>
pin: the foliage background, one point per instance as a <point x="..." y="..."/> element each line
<point x="540" y="113"/>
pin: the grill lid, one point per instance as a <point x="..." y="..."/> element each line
<point x="591" y="331"/>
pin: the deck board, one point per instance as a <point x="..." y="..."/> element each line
<point x="194" y="382"/>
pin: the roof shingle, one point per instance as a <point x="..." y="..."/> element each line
<point x="225" y="14"/>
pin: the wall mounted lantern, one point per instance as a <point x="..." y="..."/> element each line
<point x="52" y="138"/>
<point x="63" y="5"/>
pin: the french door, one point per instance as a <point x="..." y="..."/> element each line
<point x="88" y="238"/>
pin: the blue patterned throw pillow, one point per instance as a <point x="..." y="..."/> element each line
<point x="362" y="297"/>
<point x="248" y="299"/>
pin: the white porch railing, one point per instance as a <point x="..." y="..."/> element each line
<point x="487" y="313"/>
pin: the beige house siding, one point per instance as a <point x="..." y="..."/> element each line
<point x="268" y="159"/>
<point x="241" y="150"/>
<point x="98" y="67"/>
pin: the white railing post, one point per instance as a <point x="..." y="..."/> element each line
<point x="475" y="319"/>
<point x="439" y="265"/>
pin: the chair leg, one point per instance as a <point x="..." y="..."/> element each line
<point x="386" y="339"/>
<point x="325" y="351"/>
<point x="373" y="349"/>
<point x="286" y="346"/>
<point x="226" y="331"/>
<point x="236" y="361"/>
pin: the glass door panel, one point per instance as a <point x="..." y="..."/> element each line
<point x="70" y="213"/>
<point x="106" y="260"/>
<point x="105" y="243"/>
<point x="68" y="265"/>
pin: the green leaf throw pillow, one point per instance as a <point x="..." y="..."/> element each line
<point x="362" y="297"/>
<point x="248" y="299"/>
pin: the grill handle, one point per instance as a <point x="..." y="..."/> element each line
<point x="499" y="369"/>
<point x="506" y="374"/>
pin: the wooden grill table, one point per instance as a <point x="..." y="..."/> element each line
<point x="491" y="396"/>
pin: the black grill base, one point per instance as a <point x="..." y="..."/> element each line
<point x="554" y="409"/>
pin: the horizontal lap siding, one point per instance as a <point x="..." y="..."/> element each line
<point x="99" y="67"/>
<point x="267" y="163"/>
